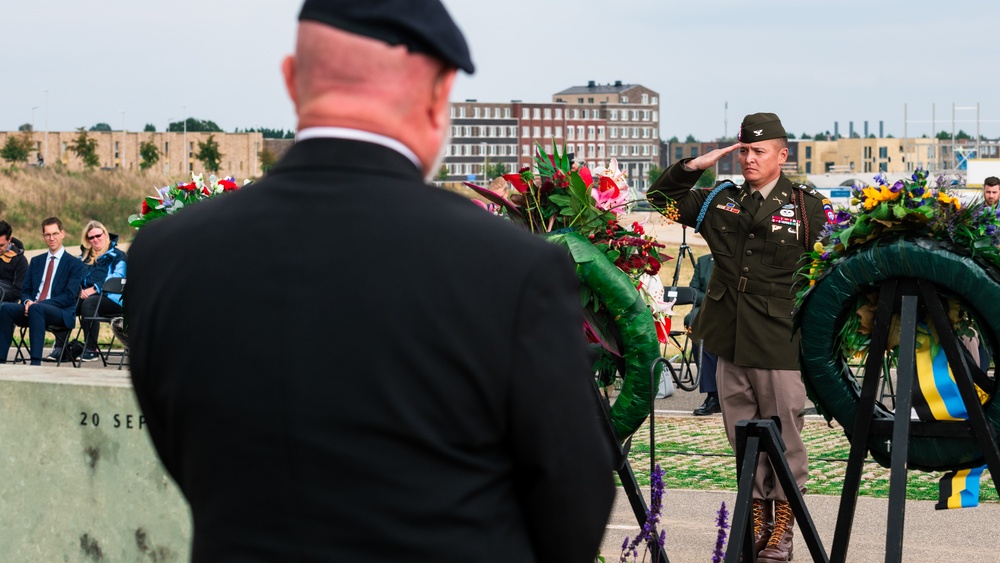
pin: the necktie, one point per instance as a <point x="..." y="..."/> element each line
<point x="757" y="200"/>
<point x="48" y="280"/>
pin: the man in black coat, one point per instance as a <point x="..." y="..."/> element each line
<point x="410" y="382"/>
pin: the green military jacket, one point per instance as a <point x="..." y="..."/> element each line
<point x="746" y="316"/>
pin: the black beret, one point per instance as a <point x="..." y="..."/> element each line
<point x="761" y="127"/>
<point x="423" y="26"/>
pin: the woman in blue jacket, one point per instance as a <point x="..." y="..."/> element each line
<point x="104" y="260"/>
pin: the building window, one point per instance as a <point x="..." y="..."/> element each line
<point x="883" y="167"/>
<point x="590" y="100"/>
<point x="614" y="150"/>
<point x="600" y="151"/>
<point x="600" y="133"/>
<point x="613" y="115"/>
<point x="883" y="152"/>
<point x="624" y="99"/>
<point x="558" y="132"/>
<point x="694" y="152"/>
<point x="678" y="153"/>
<point x="614" y="132"/>
<point x="645" y="99"/>
<point x="591" y="151"/>
<point x="809" y="168"/>
<point x="537" y="131"/>
<point x="525" y="151"/>
<point x="586" y="114"/>
<point x="475" y="111"/>
<point x="548" y="132"/>
<point x="635" y="132"/>
<point x="558" y="113"/>
<point x="656" y="116"/>
<point x="635" y="150"/>
<point x="645" y="115"/>
<point x="579" y="100"/>
<point x="525" y="113"/>
<point x="506" y="113"/>
<point x="569" y="132"/>
<point x="809" y="152"/>
<point x="547" y="113"/>
<point x="590" y="132"/>
<point x="656" y="150"/>
<point x="526" y="131"/>
<point x="655" y="100"/>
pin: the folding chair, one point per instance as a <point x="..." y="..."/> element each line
<point x="111" y="285"/>
<point x="20" y="354"/>
<point x="690" y="355"/>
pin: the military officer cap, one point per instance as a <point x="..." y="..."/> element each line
<point x="423" y="27"/>
<point x="761" y="127"/>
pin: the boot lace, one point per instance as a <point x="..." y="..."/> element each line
<point x="782" y="521"/>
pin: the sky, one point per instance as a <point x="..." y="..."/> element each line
<point x="69" y="64"/>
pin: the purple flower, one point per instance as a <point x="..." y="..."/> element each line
<point x="720" y="541"/>
<point x="648" y="532"/>
<point x="825" y="256"/>
<point x="990" y="229"/>
<point x="917" y="191"/>
<point x="881" y="179"/>
<point x="899" y="185"/>
<point x="843" y="216"/>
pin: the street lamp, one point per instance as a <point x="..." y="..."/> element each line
<point x="185" y="145"/>
<point x="33" y="118"/>
<point x="122" y="152"/>
<point x="45" y="157"/>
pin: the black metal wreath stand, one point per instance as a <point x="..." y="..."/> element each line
<point x="907" y="297"/>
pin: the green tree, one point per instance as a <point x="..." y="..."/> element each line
<point x="149" y="128"/>
<point x="17" y="148"/>
<point x="442" y="174"/>
<point x="194" y="125"/>
<point x="209" y="155"/>
<point x="267" y="159"/>
<point x="805" y="137"/>
<point x="943" y="136"/>
<point x="690" y="139"/>
<point x="962" y="136"/>
<point x="85" y="148"/>
<point x="707" y="178"/>
<point x="673" y="139"/>
<point x="25" y="127"/>
<point x="101" y="127"/>
<point x="496" y="170"/>
<point x="149" y="153"/>
<point x="791" y="136"/>
<point x="653" y="173"/>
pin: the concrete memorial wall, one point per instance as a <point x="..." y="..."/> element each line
<point x="79" y="478"/>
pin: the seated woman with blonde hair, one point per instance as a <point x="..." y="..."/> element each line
<point x="103" y="260"/>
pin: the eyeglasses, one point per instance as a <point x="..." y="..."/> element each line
<point x="50" y="235"/>
<point x="95" y="237"/>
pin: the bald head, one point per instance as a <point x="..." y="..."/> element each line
<point x="339" y="79"/>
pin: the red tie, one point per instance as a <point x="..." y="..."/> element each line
<point x="48" y="280"/>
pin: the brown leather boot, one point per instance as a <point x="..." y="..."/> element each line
<point x="763" y="522"/>
<point x="779" y="547"/>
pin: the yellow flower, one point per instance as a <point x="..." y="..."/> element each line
<point x="818" y="247"/>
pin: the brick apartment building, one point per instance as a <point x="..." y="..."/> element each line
<point x="596" y="122"/>
<point x="240" y="151"/>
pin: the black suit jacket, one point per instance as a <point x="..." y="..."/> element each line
<point x="64" y="288"/>
<point x="344" y="364"/>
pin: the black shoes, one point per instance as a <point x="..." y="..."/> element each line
<point x="710" y="406"/>
<point x="54" y="356"/>
<point x="90" y="355"/>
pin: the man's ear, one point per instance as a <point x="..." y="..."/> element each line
<point x="288" y="70"/>
<point x="439" y="97"/>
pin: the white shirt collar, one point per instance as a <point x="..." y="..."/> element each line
<point x="358" y="135"/>
<point x="59" y="253"/>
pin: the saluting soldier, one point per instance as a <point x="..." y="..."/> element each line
<point x="757" y="233"/>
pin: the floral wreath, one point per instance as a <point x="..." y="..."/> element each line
<point x="622" y="297"/>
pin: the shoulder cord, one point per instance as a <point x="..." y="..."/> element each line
<point x="708" y="200"/>
<point x="804" y="216"/>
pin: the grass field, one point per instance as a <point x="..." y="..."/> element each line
<point x="695" y="454"/>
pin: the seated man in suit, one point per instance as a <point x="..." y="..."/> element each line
<point x="48" y="294"/>
<point x="13" y="264"/>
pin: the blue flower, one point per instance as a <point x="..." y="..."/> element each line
<point x="899" y="185"/>
<point x="881" y="179"/>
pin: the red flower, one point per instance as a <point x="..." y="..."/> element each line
<point x="585" y="175"/>
<point x="518" y="182"/>
<point x="145" y="208"/>
<point x="607" y="184"/>
<point x="187" y="187"/>
<point x="227" y="185"/>
<point x="204" y="190"/>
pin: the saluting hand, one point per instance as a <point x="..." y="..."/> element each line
<point x="709" y="159"/>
